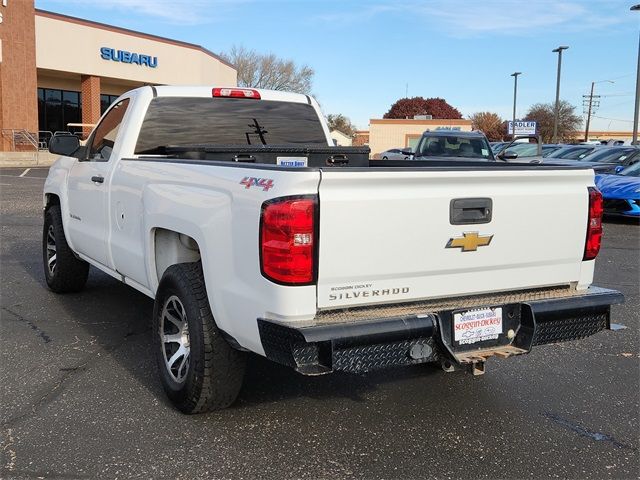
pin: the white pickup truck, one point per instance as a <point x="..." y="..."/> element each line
<point x="252" y="233"/>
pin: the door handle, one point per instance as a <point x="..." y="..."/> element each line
<point x="98" y="179"/>
<point x="469" y="211"/>
<point x="244" y="158"/>
<point x="340" y="159"/>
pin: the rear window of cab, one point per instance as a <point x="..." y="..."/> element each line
<point x="183" y="121"/>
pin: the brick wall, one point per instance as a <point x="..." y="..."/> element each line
<point x="18" y="78"/>
<point x="361" y="138"/>
<point x="90" y="97"/>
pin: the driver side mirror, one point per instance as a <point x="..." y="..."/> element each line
<point x="64" y="145"/>
<point x="619" y="168"/>
<point x="507" y="156"/>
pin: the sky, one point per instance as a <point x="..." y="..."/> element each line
<point x="367" y="54"/>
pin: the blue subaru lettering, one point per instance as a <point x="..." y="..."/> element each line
<point x="123" y="56"/>
<point x="105" y="53"/>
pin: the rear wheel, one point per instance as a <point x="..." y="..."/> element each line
<point x="385" y="158"/>
<point x="62" y="270"/>
<point x="198" y="369"/>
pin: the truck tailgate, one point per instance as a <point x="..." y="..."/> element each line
<point x="386" y="236"/>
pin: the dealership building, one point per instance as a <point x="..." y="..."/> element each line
<point x="60" y="73"/>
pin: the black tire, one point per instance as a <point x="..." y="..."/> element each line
<point x="213" y="371"/>
<point x="385" y="158"/>
<point x="63" y="271"/>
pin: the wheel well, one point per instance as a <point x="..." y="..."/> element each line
<point x="51" y="199"/>
<point x="173" y="247"/>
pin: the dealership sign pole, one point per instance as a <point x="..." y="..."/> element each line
<point x="556" y="112"/>
<point x="634" y="141"/>
<point x="515" y="93"/>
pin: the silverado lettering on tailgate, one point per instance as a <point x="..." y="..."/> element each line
<point x="363" y="291"/>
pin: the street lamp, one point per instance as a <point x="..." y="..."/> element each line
<point x="556" y="111"/>
<point x="637" y="106"/>
<point x="586" y="131"/>
<point x="515" y="93"/>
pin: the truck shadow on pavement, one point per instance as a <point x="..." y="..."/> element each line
<point x="116" y="319"/>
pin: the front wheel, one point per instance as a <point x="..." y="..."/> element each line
<point x="62" y="270"/>
<point x="385" y="158"/>
<point x="198" y="369"/>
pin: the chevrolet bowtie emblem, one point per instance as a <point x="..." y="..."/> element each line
<point x="469" y="242"/>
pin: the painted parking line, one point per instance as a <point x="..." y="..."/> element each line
<point x="23" y="178"/>
<point x="25" y="172"/>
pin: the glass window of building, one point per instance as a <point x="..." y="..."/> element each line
<point x="106" y="101"/>
<point x="57" y="109"/>
<point x="71" y="109"/>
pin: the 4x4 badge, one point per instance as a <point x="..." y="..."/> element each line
<point x="264" y="183"/>
<point x="469" y="242"/>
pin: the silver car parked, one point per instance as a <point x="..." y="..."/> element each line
<point x="394" y="154"/>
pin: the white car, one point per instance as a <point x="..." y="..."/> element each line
<point x="231" y="209"/>
<point x="394" y="154"/>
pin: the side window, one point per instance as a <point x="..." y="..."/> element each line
<point x="106" y="133"/>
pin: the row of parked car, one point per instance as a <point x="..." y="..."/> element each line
<point x="617" y="167"/>
<point x="608" y="157"/>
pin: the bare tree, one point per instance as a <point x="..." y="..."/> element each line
<point x="268" y="71"/>
<point x="341" y="123"/>
<point x="568" y="121"/>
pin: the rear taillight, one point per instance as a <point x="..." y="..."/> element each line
<point x="236" y="93"/>
<point x="288" y="237"/>
<point x="594" y="227"/>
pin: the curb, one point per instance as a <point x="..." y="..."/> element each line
<point x="27" y="159"/>
<point x="24" y="163"/>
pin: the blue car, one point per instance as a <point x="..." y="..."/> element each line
<point x="621" y="192"/>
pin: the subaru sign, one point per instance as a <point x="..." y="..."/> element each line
<point x="523" y="128"/>
<point x="123" y="56"/>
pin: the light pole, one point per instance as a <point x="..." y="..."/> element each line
<point x="515" y="94"/>
<point x="637" y="106"/>
<point x="591" y="97"/>
<point x="556" y="110"/>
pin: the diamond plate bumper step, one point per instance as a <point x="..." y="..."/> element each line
<point x="368" y="343"/>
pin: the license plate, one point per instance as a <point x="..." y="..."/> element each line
<point x="477" y="325"/>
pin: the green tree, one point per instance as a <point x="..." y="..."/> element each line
<point x="568" y="121"/>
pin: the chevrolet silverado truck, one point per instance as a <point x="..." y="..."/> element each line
<point x="252" y="233"/>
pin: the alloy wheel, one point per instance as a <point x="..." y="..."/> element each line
<point x="174" y="336"/>
<point x="52" y="255"/>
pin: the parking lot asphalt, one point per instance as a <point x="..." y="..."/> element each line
<point x="80" y="396"/>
